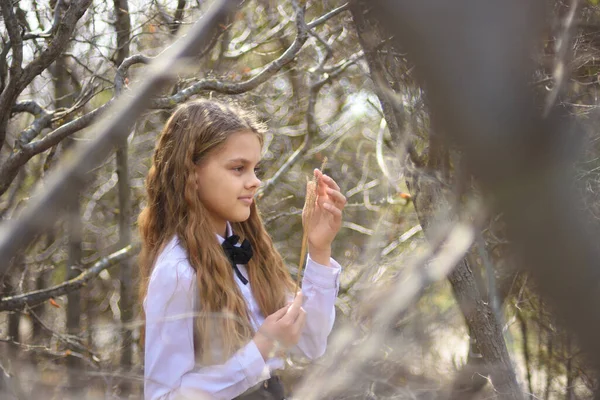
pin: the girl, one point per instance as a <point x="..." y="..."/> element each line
<point x="218" y="313"/>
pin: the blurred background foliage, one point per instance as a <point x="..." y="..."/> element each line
<point x="324" y="101"/>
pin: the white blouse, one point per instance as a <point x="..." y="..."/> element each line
<point x="170" y="371"/>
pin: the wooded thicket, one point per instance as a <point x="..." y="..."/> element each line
<point x="463" y="136"/>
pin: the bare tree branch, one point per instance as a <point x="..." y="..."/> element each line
<point x="47" y="200"/>
<point x="292" y="159"/>
<point x="72" y="341"/>
<point x="312" y="128"/>
<point x="27" y="149"/>
<point x="11" y="89"/>
<point x="257" y="42"/>
<point x="43" y="120"/>
<point x="31" y="299"/>
<point x="323" y="18"/>
<point x="17" y="83"/>
<point x="10" y="168"/>
<point x="91" y="69"/>
<point x="59" y="42"/>
<point x="34" y="130"/>
<point x="124" y="69"/>
<point x="16" y="41"/>
<point x="47" y="351"/>
<point x="60" y="4"/>
<point x="3" y="62"/>
<point x="30" y="107"/>
<point x="241" y="87"/>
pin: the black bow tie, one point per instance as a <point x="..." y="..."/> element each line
<point x="237" y="255"/>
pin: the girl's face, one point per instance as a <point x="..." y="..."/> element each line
<point x="227" y="180"/>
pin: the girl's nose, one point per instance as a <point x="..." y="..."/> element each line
<point x="254" y="182"/>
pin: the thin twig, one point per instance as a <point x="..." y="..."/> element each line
<point x="36" y="297"/>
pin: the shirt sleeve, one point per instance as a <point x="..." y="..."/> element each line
<point x="170" y="371"/>
<point x="320" y="286"/>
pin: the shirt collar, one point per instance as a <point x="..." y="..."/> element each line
<point x="229" y="233"/>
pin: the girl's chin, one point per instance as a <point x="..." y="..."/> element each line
<point x="240" y="218"/>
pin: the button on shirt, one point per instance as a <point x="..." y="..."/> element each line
<point x="170" y="369"/>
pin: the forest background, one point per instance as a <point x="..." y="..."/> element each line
<point x="453" y="284"/>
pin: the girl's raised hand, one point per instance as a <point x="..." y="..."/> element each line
<point x="326" y="218"/>
<point x="284" y="327"/>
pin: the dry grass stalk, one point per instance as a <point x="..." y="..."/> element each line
<point x="310" y="202"/>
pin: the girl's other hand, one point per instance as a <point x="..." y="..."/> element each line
<point x="283" y="327"/>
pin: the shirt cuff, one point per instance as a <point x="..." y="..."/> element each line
<point x="325" y="277"/>
<point x="253" y="364"/>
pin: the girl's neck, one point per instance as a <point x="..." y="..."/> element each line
<point x="220" y="228"/>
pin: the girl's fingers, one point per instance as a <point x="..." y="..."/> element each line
<point x="330" y="182"/>
<point x="329" y="193"/>
<point x="337" y="196"/>
<point x="281" y="312"/>
<point x="293" y="310"/>
<point x="321" y="177"/>
<point x="336" y="212"/>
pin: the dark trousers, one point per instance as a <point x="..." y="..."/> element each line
<point x="271" y="389"/>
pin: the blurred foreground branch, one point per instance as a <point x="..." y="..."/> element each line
<point x="46" y="203"/>
<point x="523" y="160"/>
<point x="346" y="347"/>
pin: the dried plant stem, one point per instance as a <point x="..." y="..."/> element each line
<point x="312" y="189"/>
<point x="309" y="204"/>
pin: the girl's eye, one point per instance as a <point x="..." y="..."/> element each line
<point x="258" y="172"/>
<point x="238" y="169"/>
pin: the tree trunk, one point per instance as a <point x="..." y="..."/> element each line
<point x="571" y="373"/>
<point x="41" y="282"/>
<point x="14" y="318"/>
<point x="64" y="95"/>
<point x="526" y="351"/>
<point x="74" y="227"/>
<point x="549" y="367"/>
<point x="123" y="28"/>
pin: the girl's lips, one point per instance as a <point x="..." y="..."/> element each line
<point x="247" y="199"/>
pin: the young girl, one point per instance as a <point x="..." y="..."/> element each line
<point x="220" y="312"/>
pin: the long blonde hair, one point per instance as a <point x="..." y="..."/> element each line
<point x="193" y="131"/>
